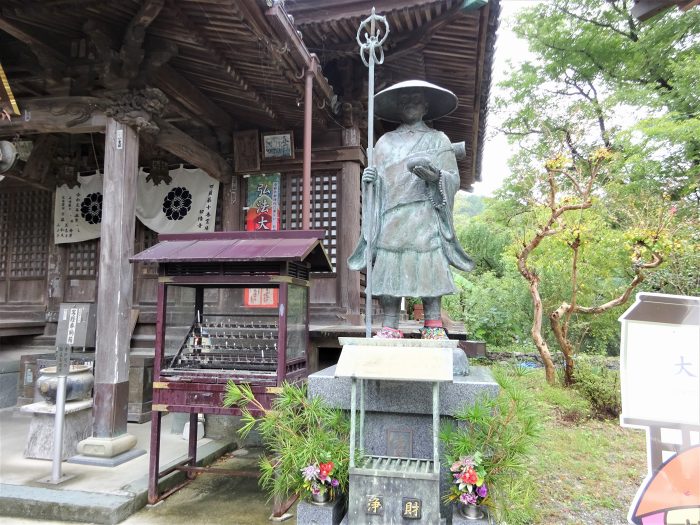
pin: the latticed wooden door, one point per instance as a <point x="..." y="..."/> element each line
<point x="324" y="206"/>
<point x="145" y="274"/>
<point x="25" y="234"/>
<point x="81" y="272"/>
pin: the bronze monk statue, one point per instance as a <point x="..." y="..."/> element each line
<point x="415" y="178"/>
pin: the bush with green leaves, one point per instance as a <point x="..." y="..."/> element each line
<point x="297" y="432"/>
<point x="601" y="387"/>
<point x="494" y="309"/>
<point x="504" y="429"/>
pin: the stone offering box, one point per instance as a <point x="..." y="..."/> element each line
<point x="330" y="513"/>
<point x="405" y="389"/>
<point x="232" y="306"/>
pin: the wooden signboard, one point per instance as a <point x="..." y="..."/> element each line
<point x="246" y="151"/>
<point x="278" y="145"/>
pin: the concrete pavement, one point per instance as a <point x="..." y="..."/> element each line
<point x="118" y="495"/>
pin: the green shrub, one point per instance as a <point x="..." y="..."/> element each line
<point x="494" y="309"/>
<point x="297" y="432"/>
<point x="504" y="429"/>
<point x="601" y="387"/>
<point x="568" y="403"/>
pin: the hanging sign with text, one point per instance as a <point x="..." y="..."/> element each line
<point x="263" y="202"/>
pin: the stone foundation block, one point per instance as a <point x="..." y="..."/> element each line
<point x="77" y="426"/>
<point x="330" y="513"/>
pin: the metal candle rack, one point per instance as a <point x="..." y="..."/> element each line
<point x="246" y="343"/>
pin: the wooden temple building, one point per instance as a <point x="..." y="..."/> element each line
<point x="234" y="88"/>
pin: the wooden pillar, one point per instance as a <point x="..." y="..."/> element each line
<point x="349" y="225"/>
<point x="232" y="198"/>
<point x="306" y="166"/>
<point x="56" y="274"/>
<point x="231" y="205"/>
<point x="114" y="292"/>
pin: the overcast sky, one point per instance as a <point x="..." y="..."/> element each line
<point x="496" y="149"/>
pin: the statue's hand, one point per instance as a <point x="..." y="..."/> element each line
<point x="423" y="168"/>
<point x="369" y="175"/>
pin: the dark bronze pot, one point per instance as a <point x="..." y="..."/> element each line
<point x="78" y="383"/>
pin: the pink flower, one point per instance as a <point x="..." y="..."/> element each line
<point x="310" y="472"/>
<point x="468" y="498"/>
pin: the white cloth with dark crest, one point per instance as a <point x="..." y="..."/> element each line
<point x="77" y="213"/>
<point x="185" y="204"/>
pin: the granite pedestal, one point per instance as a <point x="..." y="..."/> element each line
<point x="77" y="426"/>
<point x="330" y="513"/>
<point x="399" y="415"/>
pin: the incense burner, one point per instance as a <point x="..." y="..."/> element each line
<point x="79" y="383"/>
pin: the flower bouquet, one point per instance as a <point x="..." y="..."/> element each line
<point x="319" y="483"/>
<point x="468" y="487"/>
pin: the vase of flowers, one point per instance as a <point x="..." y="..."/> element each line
<point x="468" y="488"/>
<point x="319" y="483"/>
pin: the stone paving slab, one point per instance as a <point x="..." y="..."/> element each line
<point x="64" y="505"/>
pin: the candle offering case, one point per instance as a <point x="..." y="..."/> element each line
<point x="222" y="342"/>
<point x="232" y="306"/>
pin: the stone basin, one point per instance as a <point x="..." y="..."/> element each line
<point x="79" y="383"/>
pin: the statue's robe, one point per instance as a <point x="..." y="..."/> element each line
<point x="414" y="240"/>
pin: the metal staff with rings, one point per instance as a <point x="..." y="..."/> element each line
<point x="371" y="35"/>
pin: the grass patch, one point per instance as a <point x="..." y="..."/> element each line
<point x="587" y="470"/>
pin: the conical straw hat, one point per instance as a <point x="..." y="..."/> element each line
<point x="441" y="101"/>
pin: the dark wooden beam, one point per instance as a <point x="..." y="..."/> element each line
<point x="645" y="9"/>
<point x="309" y="12"/>
<point x="189" y="150"/>
<point x="108" y="61"/>
<point x="320" y="158"/>
<point x="179" y="89"/>
<point x="684" y="6"/>
<point x="17" y="173"/>
<point x="50" y="59"/>
<point x="288" y="33"/>
<point x="289" y="64"/>
<point x="35" y="43"/>
<point x="45" y="4"/>
<point x="420" y="38"/>
<point x="132" y="51"/>
<point x="39" y="162"/>
<point x="57" y="115"/>
<point x="219" y="57"/>
<point x="473" y="175"/>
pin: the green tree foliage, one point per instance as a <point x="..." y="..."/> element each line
<point x="601" y="70"/>
<point x="600" y="81"/>
<point x="494" y="309"/>
<point x="485" y="242"/>
<point x="467" y="205"/>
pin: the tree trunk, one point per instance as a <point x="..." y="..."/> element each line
<point x="564" y="344"/>
<point x="536" y="331"/>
